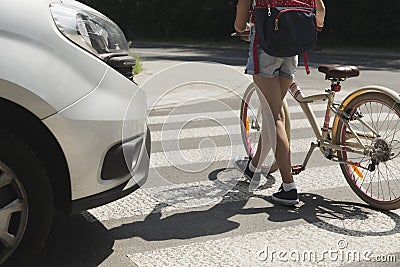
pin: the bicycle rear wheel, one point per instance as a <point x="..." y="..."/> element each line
<point x="251" y="124"/>
<point x="377" y="180"/>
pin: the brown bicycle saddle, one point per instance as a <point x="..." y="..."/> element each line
<point x="339" y="72"/>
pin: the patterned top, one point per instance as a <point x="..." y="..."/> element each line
<point x="273" y="3"/>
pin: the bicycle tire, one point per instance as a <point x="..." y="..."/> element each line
<point x="250" y="142"/>
<point x="375" y="187"/>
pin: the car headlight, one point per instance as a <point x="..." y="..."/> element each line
<point x="90" y="30"/>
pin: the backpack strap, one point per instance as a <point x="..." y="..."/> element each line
<point x="255" y="41"/>
<point x="255" y="55"/>
<point x="305" y="59"/>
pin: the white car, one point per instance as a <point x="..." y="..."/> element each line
<point x="73" y="132"/>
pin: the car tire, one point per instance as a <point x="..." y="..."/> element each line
<point x="26" y="203"/>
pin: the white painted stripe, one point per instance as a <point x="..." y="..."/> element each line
<point x="223" y="130"/>
<point x="194" y="156"/>
<point x="229" y="130"/>
<point x="341" y="244"/>
<point x="217" y="115"/>
<point x="211" y="154"/>
<point x="193" y="116"/>
<point x="179" y="134"/>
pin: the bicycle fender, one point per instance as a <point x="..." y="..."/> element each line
<point x="368" y="89"/>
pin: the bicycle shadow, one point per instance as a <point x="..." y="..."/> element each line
<point x="357" y="213"/>
<point x="186" y="225"/>
<point x="334" y="216"/>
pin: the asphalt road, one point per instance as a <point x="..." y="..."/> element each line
<point x="195" y="209"/>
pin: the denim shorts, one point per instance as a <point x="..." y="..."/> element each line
<point x="270" y="66"/>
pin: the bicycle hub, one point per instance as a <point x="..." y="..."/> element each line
<point x="381" y="151"/>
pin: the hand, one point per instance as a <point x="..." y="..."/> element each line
<point x="245" y="35"/>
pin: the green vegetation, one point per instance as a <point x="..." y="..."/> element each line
<point x="138" y="68"/>
<point x="355" y="23"/>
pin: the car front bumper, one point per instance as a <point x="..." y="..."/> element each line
<point x="98" y="134"/>
<point x="120" y="191"/>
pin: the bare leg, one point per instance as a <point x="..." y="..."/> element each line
<point x="273" y="90"/>
<point x="267" y="147"/>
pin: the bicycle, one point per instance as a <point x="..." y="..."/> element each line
<point x="364" y="137"/>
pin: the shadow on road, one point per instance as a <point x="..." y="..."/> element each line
<point x="325" y="213"/>
<point x="77" y="242"/>
<point x="74" y="241"/>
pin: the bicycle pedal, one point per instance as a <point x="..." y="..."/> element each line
<point x="297" y="169"/>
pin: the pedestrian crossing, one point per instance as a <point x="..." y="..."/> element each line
<point x="275" y="248"/>
<point x="191" y="172"/>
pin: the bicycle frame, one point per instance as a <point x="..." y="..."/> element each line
<point x="323" y="134"/>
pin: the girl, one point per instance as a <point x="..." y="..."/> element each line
<point x="273" y="80"/>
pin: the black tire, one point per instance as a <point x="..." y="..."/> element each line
<point x="245" y="136"/>
<point x="379" y="187"/>
<point x="28" y="185"/>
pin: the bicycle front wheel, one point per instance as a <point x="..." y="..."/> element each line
<point x="375" y="118"/>
<point x="251" y="125"/>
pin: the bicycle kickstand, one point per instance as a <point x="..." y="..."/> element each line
<point x="299" y="168"/>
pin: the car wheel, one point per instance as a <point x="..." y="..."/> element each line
<point x="26" y="206"/>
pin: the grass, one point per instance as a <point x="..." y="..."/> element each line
<point x="138" y="68"/>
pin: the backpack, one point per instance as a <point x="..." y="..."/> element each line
<point x="285" y="28"/>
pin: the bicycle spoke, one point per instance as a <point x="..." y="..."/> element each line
<point x="363" y="180"/>
<point x="388" y="183"/>
<point x="370" y="183"/>
<point x="393" y="175"/>
<point x="388" y="130"/>
<point x="370" y="113"/>
<point x="379" y="182"/>
<point x="378" y="118"/>
<point x="397" y="184"/>
<point x="395" y="167"/>
<point x="387" y="115"/>
<point x="395" y="131"/>
<point x="364" y="172"/>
